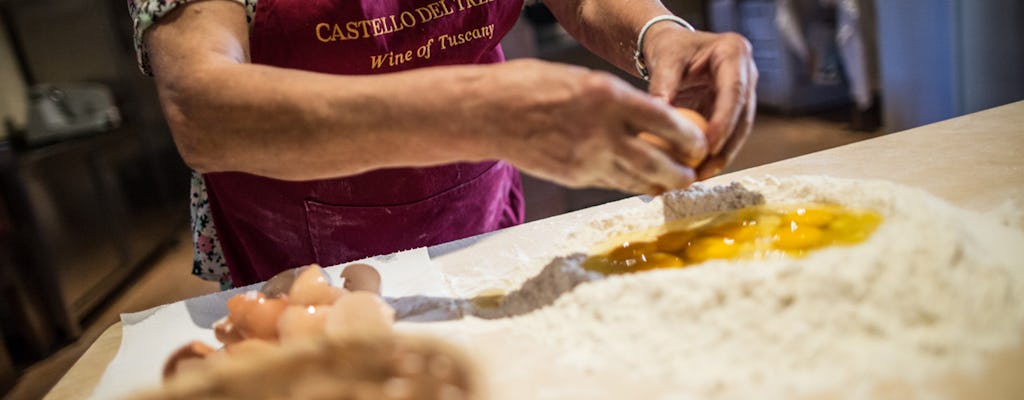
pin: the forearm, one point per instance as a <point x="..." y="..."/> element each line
<point x="300" y="125"/>
<point x="227" y="114"/>
<point x="564" y="123"/>
<point x="609" y="28"/>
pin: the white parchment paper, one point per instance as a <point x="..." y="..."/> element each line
<point x="422" y="285"/>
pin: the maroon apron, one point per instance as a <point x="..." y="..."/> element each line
<point x="267" y="225"/>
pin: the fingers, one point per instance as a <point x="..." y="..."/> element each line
<point x="717" y="163"/>
<point x="654" y="166"/>
<point x="592" y="140"/>
<point x="726" y="62"/>
<point x="665" y="81"/>
<point x="654" y="172"/>
<point x="734" y="76"/>
<point x="621" y="179"/>
<point x="729" y="104"/>
<point x="682" y="139"/>
<point x="665" y="84"/>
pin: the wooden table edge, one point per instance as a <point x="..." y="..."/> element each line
<point x="85" y="374"/>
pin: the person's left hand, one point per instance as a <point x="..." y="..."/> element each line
<point x="708" y="72"/>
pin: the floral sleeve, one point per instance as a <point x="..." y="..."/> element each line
<point x="146" y="12"/>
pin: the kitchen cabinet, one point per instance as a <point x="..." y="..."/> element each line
<point x="86" y="211"/>
<point x="86" y="214"/>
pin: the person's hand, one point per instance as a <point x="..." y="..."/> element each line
<point x="711" y="73"/>
<point x="579" y="128"/>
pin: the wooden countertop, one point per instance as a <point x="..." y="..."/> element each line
<point x="85" y="374"/>
<point x="975" y="161"/>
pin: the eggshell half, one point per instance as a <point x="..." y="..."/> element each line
<point x="361" y="277"/>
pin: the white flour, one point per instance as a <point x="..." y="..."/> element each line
<point x="933" y="290"/>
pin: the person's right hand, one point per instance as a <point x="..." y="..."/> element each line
<point x="579" y="128"/>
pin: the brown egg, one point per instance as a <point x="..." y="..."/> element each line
<point x="359" y="314"/>
<point x="361" y="277"/>
<point x="261" y="321"/>
<point x="299" y="322"/>
<point x="179" y="360"/>
<point x="694" y="117"/>
<point x="279" y="285"/>
<point x="240" y="304"/>
<point x="312" y="287"/>
<point x="226" y="331"/>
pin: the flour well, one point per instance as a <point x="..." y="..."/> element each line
<point x="935" y="289"/>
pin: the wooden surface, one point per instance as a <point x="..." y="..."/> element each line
<point x="85" y="374"/>
<point x="975" y="161"/>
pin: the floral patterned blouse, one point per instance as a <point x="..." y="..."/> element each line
<point x="208" y="259"/>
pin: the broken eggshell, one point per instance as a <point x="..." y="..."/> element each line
<point x="281" y="284"/>
<point x="312" y="287"/>
<point x="255" y="315"/>
<point x="302" y="322"/>
<point x="361" y="277"/>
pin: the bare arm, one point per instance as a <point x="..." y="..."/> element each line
<point x="562" y="123"/>
<point x="607" y="27"/>
<point x="228" y="114"/>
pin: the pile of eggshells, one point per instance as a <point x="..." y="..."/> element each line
<point x="294" y="305"/>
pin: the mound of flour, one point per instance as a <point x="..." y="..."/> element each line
<point x="934" y="290"/>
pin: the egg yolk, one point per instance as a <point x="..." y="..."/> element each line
<point x="750" y="233"/>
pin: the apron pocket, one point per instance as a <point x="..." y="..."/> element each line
<point x="341" y="233"/>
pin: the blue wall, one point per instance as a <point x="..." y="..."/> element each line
<point x="943" y="58"/>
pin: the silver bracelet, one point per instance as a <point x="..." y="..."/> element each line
<point x="638" y="56"/>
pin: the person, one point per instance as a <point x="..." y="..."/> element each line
<point x="327" y="131"/>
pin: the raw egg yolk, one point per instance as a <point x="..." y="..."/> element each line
<point x="750" y="233"/>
